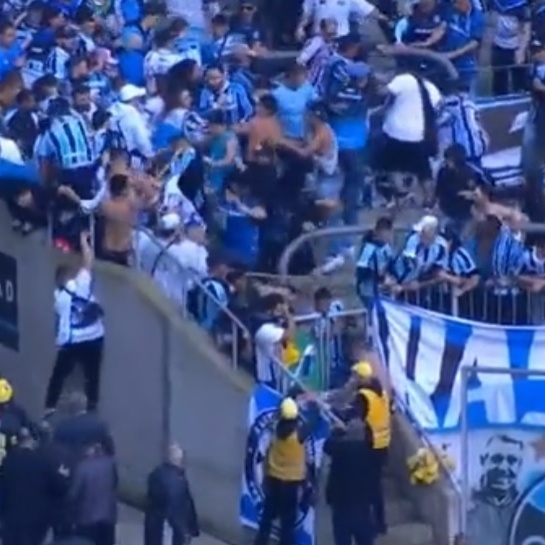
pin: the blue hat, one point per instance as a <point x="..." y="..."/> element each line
<point x="358" y="69"/>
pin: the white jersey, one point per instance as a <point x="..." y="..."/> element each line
<point x="159" y="61"/>
<point x="76" y="309"/>
<point x="340" y="10"/>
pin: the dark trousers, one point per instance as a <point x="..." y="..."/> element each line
<point x="352" y="523"/>
<point x="89" y="355"/>
<point x="100" y="533"/>
<point x="119" y="258"/>
<point x="281" y="502"/>
<point x="507" y="77"/>
<point x="377" y="491"/>
<point x="23" y="533"/>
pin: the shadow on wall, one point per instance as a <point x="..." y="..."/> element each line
<point x="162" y="379"/>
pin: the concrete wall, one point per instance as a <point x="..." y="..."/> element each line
<point x="161" y="378"/>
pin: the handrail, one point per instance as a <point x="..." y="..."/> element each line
<point x="295" y="245"/>
<point x="301" y="318"/>
<point x="399" y="50"/>
<point x="194" y="277"/>
<point x="324" y="409"/>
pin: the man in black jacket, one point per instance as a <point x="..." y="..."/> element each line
<point x="28" y="482"/>
<point x="82" y="429"/>
<point x="350" y="480"/>
<point x="169" y="500"/>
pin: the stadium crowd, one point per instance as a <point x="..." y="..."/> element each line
<point x="169" y="130"/>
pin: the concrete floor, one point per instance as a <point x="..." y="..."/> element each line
<point x="130" y="530"/>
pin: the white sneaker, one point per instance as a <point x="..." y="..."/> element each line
<point x="332" y="264"/>
<point x="350" y="252"/>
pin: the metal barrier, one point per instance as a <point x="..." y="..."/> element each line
<point x="178" y="283"/>
<point x="499" y="300"/>
<point x="330" y="339"/>
<point x="505" y="485"/>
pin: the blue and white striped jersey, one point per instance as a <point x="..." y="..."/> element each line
<point x="67" y="143"/>
<point x="57" y="63"/>
<point x="459" y="123"/>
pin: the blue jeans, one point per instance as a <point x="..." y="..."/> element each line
<point x="352" y="162"/>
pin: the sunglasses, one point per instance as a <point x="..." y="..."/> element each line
<point x="247" y="8"/>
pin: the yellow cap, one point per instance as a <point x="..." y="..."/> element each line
<point x="6" y="391"/>
<point x="363" y="369"/>
<point x="289" y="409"/>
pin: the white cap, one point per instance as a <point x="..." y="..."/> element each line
<point x="170" y="221"/>
<point x="426" y="222"/>
<point x="129" y="92"/>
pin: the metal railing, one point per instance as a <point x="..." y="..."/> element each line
<point x="329" y="342"/>
<point x="453" y="482"/>
<point x="185" y="281"/>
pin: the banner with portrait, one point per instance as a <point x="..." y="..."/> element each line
<point x="425" y="352"/>
<point x="262" y="418"/>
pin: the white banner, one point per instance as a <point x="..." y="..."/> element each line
<point x="425" y="353"/>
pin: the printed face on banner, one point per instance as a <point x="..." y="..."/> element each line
<point x="507" y="485"/>
<point x="504" y="411"/>
<point x="259" y="439"/>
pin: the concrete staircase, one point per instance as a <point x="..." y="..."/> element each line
<point x="404" y="526"/>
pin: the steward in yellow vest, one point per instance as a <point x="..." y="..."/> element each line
<point x="379" y="420"/>
<point x="285" y="474"/>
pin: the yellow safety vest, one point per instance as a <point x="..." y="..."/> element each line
<point x="378" y="418"/>
<point x="286" y="459"/>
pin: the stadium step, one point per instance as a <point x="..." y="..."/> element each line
<point x="409" y="533"/>
<point x="404" y="527"/>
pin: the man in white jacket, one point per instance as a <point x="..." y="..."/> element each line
<point x="130" y="122"/>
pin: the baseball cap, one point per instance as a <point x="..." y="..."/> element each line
<point x="362" y="369"/>
<point x="170" y="221"/>
<point x="289" y="409"/>
<point x="129" y="92"/>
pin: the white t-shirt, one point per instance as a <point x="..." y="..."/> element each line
<point x="404" y="119"/>
<point x="72" y="328"/>
<point x="340" y="10"/>
<point x="192" y="258"/>
<point x="507" y="35"/>
<point x="10" y="151"/>
<point x="268" y="351"/>
<point x="175" y="201"/>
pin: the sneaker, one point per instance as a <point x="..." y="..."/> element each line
<point x="332" y="264"/>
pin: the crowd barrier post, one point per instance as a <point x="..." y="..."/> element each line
<point x="467" y="372"/>
<point x="329" y="335"/>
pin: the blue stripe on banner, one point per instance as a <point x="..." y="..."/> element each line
<point x="426" y="352"/>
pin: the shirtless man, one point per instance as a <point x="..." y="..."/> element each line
<point x="264" y="134"/>
<point x="118" y="208"/>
